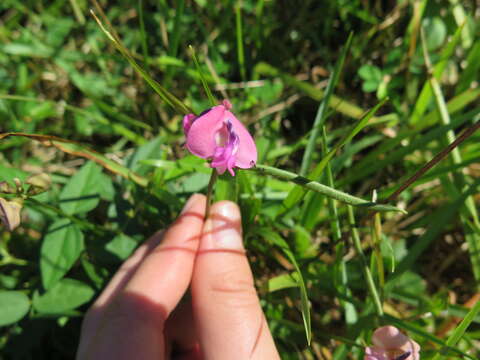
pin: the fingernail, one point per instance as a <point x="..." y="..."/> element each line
<point x="189" y="204"/>
<point x="224" y="226"/>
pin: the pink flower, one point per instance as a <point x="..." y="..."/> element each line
<point x="216" y="134"/>
<point x="390" y="344"/>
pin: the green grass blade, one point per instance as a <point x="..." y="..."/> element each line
<point x="166" y="95"/>
<point x="117" y="128"/>
<point x="376" y="161"/>
<point x="460" y="330"/>
<point x="426" y="94"/>
<point x="472" y="237"/>
<point x="340" y="268"/>
<point x="322" y="109"/>
<point x="366" y="269"/>
<point x="208" y="92"/>
<point x="438" y="220"/>
<point x="76" y="149"/>
<point x="454" y="105"/>
<point x="297" y="194"/>
<point x="470" y="73"/>
<point x="305" y="306"/>
<point x="239" y="37"/>
<point x="336" y="103"/>
<point x="180" y="7"/>
<point x="143" y="34"/>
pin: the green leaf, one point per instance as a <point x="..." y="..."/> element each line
<point x="305" y="306"/>
<point x="370" y="73"/>
<point x="121" y="246"/>
<point x="67" y="294"/>
<point x="147" y="151"/>
<point x="61" y="248"/>
<point x="435" y="32"/>
<point x="82" y="192"/>
<point x="14" y="305"/>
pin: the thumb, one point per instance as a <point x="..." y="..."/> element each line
<point x="227" y="312"/>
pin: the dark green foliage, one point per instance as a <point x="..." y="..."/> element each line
<point x="318" y="264"/>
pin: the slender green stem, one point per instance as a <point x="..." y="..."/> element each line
<point x="177" y="27"/>
<point x="323" y="189"/>
<point x="208" y="92"/>
<point x="240" y="52"/>
<point x="9" y="259"/>
<point x="143" y="34"/>
<point x="377" y="238"/>
<point x="366" y="270"/>
<point x="341" y="275"/>
<point x="211" y="183"/>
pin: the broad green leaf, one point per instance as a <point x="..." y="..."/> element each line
<point x="67" y="294"/>
<point x="372" y="77"/>
<point x="435" y="32"/>
<point x="82" y="192"/>
<point x="14" y="305"/>
<point x="121" y="246"/>
<point x="150" y="150"/>
<point x="61" y="248"/>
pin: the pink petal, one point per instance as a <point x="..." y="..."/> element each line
<point x="389" y="338"/>
<point x="218" y="135"/>
<point x="392" y="340"/>
<point x="375" y="353"/>
<point x="201" y="133"/>
<point x="247" y="150"/>
<point x="187" y="122"/>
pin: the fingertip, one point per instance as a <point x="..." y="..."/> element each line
<point x="223" y="227"/>
<point x="193" y="202"/>
<point x="226" y="307"/>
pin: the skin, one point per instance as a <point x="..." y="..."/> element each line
<point x="146" y="313"/>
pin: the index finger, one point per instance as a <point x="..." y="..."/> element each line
<point x="134" y="321"/>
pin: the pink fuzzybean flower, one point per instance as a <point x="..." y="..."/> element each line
<point x="390" y="344"/>
<point x="216" y="134"/>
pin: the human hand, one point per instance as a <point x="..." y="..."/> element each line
<point x="140" y="315"/>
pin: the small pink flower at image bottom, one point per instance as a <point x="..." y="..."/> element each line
<point x="390" y="344"/>
<point x="216" y="134"/>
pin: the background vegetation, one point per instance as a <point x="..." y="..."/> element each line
<point x="60" y="75"/>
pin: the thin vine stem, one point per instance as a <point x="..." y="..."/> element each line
<point x="211" y="183"/>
